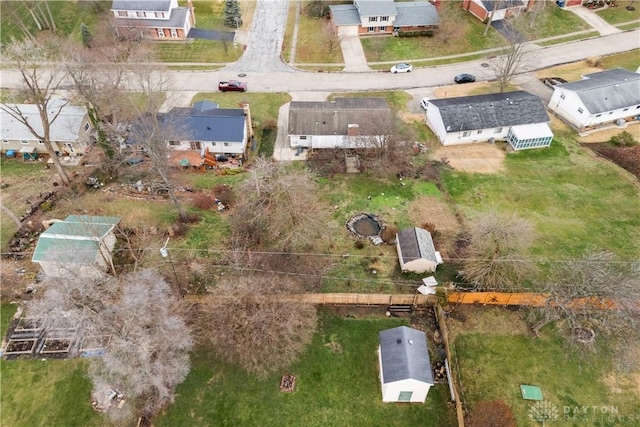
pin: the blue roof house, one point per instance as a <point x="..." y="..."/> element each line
<point x="405" y="366"/>
<point x="78" y="247"/>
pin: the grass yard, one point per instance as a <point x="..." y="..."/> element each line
<point x="495" y="354"/>
<point x="333" y="387"/>
<point x="264" y="106"/>
<point x="197" y="51"/>
<point x="551" y="21"/>
<point x="577" y="203"/>
<point x="627" y="60"/>
<point x="315" y="43"/>
<point x="619" y="15"/>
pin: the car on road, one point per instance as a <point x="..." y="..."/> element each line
<point x="464" y="78"/>
<point x="423" y="103"/>
<point x="401" y="68"/>
<point x="232" y="86"/>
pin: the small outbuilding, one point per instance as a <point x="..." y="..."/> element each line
<point x="416" y="251"/>
<point x="405" y="366"/>
<point x="79" y="246"/>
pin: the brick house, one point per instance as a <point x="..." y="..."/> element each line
<point x="153" y="19"/>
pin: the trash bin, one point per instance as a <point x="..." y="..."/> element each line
<point x="560" y="3"/>
<point x="10" y="153"/>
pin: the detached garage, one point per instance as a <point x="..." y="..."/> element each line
<point x="405" y="367"/>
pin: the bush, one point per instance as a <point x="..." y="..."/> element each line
<point x="594" y="61"/>
<point x="388" y="234"/>
<point x="624" y="139"/>
<point x="202" y="201"/>
<point x="359" y="244"/>
<point x="224" y="193"/>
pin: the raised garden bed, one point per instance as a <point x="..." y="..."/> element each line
<point x="18" y="348"/>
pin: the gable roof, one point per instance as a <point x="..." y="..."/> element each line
<point x="607" y="90"/>
<point x="216" y="124"/>
<point x="334" y="117"/>
<point x="416" y="243"/>
<point x="415" y="14"/>
<point x="404" y="355"/>
<point x="142" y="5"/>
<point x="490" y="111"/>
<point x="177" y="19"/>
<point x="504" y="4"/>
<point x="74" y="240"/>
<point x="66" y="127"/>
<point x="408" y="14"/>
<point x="344" y="14"/>
<point x="376" y="7"/>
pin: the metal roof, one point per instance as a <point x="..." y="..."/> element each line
<point x="490" y="111"/>
<point x="334" y="117"/>
<point x="416" y="243"/>
<point x="607" y="90"/>
<point x="65" y="128"/>
<point x="142" y="5"/>
<point x="404" y="355"/>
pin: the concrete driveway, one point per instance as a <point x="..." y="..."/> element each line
<point x="353" y="54"/>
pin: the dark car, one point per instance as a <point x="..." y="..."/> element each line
<point x="232" y="86"/>
<point x="464" y="78"/>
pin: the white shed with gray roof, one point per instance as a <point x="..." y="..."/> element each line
<point x="517" y="117"/>
<point x="416" y="251"/>
<point x="405" y="366"/>
<point x="598" y="99"/>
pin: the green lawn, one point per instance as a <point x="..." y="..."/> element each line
<point x="312" y="43"/>
<point x="577" y="203"/>
<point x="627" y="60"/>
<point x="618" y="15"/>
<point x="550" y="22"/>
<point x="197" y="51"/>
<point x="495" y="355"/>
<point x="332" y="389"/>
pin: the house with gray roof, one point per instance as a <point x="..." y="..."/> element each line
<point x="416" y="251"/>
<point x="203" y="128"/>
<point x="342" y="123"/>
<point x="495" y="10"/>
<point x="78" y="247"/>
<point x="519" y="118"/>
<point x="405" y="366"/>
<point x="599" y="99"/>
<point x="153" y="19"/>
<point x="70" y="131"/>
<point x="384" y="17"/>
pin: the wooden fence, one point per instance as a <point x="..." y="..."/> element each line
<point x="336" y="299"/>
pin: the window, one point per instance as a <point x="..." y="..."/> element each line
<point x="382" y="28"/>
<point x="174" y="143"/>
<point x="141" y="14"/>
<point x="5" y="141"/>
<point x="226" y="144"/>
<point x="160" y="33"/>
<point x="465" y="134"/>
<point x="384" y="18"/>
<point x="598" y="115"/>
<point x="159" y="14"/>
<point x="304" y="137"/>
<point x="562" y="96"/>
<point x="195" y="145"/>
<point x="580" y="110"/>
<point x="24" y="142"/>
<point x="498" y="130"/>
<point x="373" y="19"/>
<point x="122" y="13"/>
<point x="86" y="126"/>
<point x="405" y="396"/>
<point x="213" y="144"/>
<point x="372" y="29"/>
<point x="626" y="109"/>
<point x="480" y="131"/>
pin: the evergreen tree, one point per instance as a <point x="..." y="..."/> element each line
<point x="87" y="37"/>
<point x="232" y="14"/>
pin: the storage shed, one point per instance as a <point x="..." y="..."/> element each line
<point x="416" y="252"/>
<point x="405" y="366"/>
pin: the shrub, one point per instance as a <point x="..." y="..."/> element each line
<point x="492" y="413"/>
<point x="224" y="193"/>
<point x="594" y="61"/>
<point x="624" y="139"/>
<point x="359" y="244"/>
<point x="388" y="234"/>
<point x="202" y="201"/>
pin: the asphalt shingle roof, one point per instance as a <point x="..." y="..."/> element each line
<point x="334" y="117"/>
<point x="607" y="90"/>
<point x="415" y="14"/>
<point x="66" y="126"/>
<point x="503" y="4"/>
<point x="416" y="243"/>
<point x="490" y="111"/>
<point x="177" y="19"/>
<point x="404" y="355"/>
<point x="218" y="124"/>
<point x="142" y="5"/>
<point x="376" y="7"/>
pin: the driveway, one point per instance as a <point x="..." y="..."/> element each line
<point x="196" y="33"/>
<point x="353" y="54"/>
<point x="592" y="18"/>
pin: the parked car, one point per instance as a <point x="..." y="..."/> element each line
<point x="232" y="86"/>
<point x="464" y="78"/>
<point x="423" y="103"/>
<point x="401" y="68"/>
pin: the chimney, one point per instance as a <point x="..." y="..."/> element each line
<point x="353" y="130"/>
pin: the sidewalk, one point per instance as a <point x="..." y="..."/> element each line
<point x="592" y="18"/>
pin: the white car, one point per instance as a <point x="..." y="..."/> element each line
<point x="424" y="102"/>
<point x="401" y="68"/>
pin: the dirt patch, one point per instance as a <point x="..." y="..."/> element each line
<point x="619" y="383"/>
<point x="605" y="135"/>
<point x="412" y="117"/>
<point x="431" y="209"/>
<point x="474" y="158"/>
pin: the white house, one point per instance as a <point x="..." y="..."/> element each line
<point x="70" y="132"/>
<point x="383" y="17"/>
<point x="343" y="123"/>
<point x="416" y="251"/>
<point x="405" y="366"/>
<point x="153" y="19"/>
<point x="79" y="246"/>
<point x="517" y="117"/>
<point x="604" y="98"/>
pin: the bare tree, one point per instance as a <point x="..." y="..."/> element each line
<point x="595" y="295"/>
<point x="279" y="205"/>
<point x="148" y="353"/>
<point x="496" y="257"/>
<point x="251" y="328"/>
<point x="40" y="80"/>
<point x="332" y="37"/>
<point x="495" y="5"/>
<point x="450" y="29"/>
<point x="511" y="60"/>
